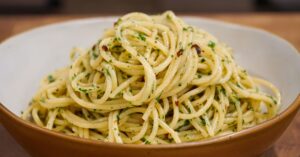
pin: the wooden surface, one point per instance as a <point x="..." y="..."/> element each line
<point x="285" y="25"/>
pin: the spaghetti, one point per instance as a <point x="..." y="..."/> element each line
<point x="152" y="80"/>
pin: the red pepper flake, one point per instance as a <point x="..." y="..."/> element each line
<point x="179" y="53"/>
<point x="104" y="48"/>
<point x="166" y="136"/>
<point x="198" y="49"/>
<point x="176" y="103"/>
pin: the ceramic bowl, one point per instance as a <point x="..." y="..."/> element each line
<point x="29" y="56"/>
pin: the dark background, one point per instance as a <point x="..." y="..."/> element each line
<point x="148" y="6"/>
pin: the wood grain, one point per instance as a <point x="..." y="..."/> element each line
<point x="285" y="25"/>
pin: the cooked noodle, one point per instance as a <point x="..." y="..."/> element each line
<point x="152" y="80"/>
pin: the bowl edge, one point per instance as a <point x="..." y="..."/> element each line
<point x="294" y="107"/>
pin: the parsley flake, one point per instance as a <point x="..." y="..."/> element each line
<point x="212" y="45"/>
<point x="51" y="79"/>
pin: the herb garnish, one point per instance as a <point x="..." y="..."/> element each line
<point x="145" y="140"/>
<point x="50" y="79"/>
<point x="169" y="17"/>
<point x="203" y="121"/>
<point x="185" y="123"/>
<point x="118" y="22"/>
<point x="87" y="75"/>
<point x="274" y="101"/>
<point x="222" y="90"/>
<point x="42" y="100"/>
<point x="202" y="60"/>
<point x="94" y="55"/>
<point x="82" y="90"/>
<point x="106" y="71"/>
<point x="141" y="37"/>
<point x="211" y="44"/>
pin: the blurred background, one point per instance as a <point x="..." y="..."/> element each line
<point x="148" y="6"/>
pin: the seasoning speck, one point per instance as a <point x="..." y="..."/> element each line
<point x="104" y="48"/>
<point x="197" y="48"/>
<point x="179" y="53"/>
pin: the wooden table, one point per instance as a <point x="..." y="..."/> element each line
<point x="286" y="25"/>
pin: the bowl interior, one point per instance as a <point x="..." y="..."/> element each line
<point x="28" y="57"/>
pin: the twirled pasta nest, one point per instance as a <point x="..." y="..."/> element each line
<point x="152" y="80"/>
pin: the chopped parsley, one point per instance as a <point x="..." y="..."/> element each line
<point x="145" y="140"/>
<point x="42" y="100"/>
<point x="158" y="98"/>
<point x="249" y="107"/>
<point x="189" y="28"/>
<point x="256" y="90"/>
<point x="118" y="22"/>
<point x="106" y="71"/>
<point x="211" y="44"/>
<point x="199" y="75"/>
<point x="237" y="84"/>
<point x="203" y="121"/>
<point x="273" y="99"/>
<point x="118" y="116"/>
<point x="222" y="90"/>
<point x="189" y="110"/>
<point x="141" y="37"/>
<point x="234" y="99"/>
<point x="87" y="75"/>
<point x="202" y="60"/>
<point x="117" y="49"/>
<point x="117" y="39"/>
<point x="94" y="55"/>
<point x="169" y="17"/>
<point x="185" y="123"/>
<point x="93" y="52"/>
<point x="74" y="76"/>
<point x="82" y="90"/>
<point x="124" y="77"/>
<point x="50" y="79"/>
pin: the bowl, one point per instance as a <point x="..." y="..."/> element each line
<point x="27" y="57"/>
